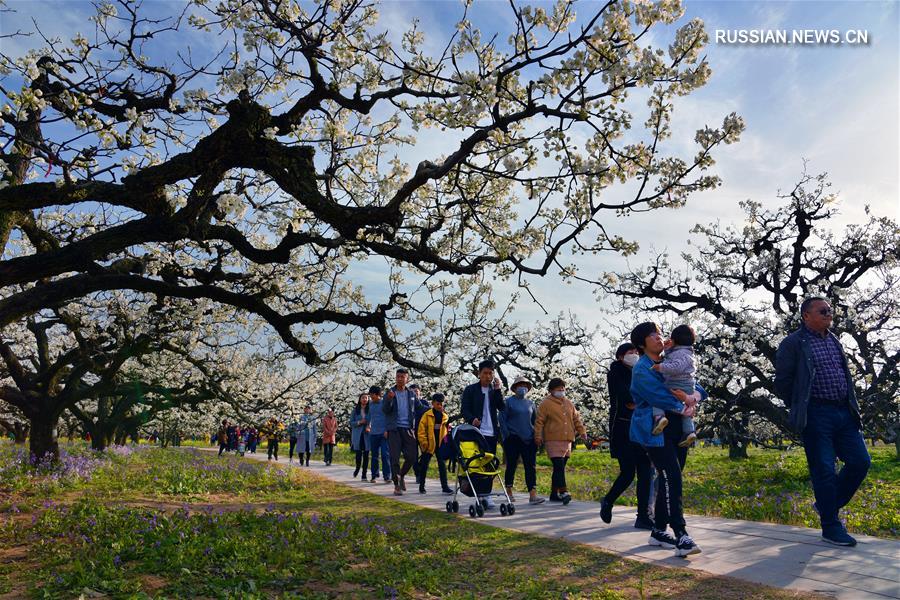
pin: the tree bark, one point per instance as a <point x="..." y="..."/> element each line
<point x="737" y="449"/>
<point x="43" y="440"/>
<point x="100" y="439"/>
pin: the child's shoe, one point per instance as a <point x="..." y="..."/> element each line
<point x="688" y="440"/>
<point x="659" y="424"/>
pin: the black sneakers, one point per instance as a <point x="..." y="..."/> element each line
<point x="839" y="538"/>
<point x="606" y="511"/>
<point x="661" y="538"/>
<point x="422" y="488"/>
<point x="686" y="546"/>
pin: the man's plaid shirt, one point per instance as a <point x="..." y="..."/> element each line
<point x="830" y="382"/>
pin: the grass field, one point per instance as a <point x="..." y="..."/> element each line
<point x="768" y="486"/>
<point x="179" y="523"/>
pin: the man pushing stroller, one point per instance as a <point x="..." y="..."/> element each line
<point x="480" y="403"/>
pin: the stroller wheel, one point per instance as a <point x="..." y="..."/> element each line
<point x="503" y="510"/>
<point x="512" y="509"/>
<point x="449" y="507"/>
<point x="455" y="506"/>
<point x="483" y="504"/>
<point x="471" y="510"/>
<point x="479" y="510"/>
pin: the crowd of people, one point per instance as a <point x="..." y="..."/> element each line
<point x="232" y="437"/>
<point x="653" y="397"/>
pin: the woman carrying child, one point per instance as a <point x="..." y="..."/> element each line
<point x="649" y="391"/>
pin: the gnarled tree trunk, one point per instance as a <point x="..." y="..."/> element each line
<point x="43" y="439"/>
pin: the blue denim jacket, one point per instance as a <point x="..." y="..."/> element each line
<point x="377" y="419"/>
<point x="648" y="392"/>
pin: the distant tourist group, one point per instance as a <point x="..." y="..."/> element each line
<point x="653" y="397"/>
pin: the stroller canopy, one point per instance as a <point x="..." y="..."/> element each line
<point x="469" y="433"/>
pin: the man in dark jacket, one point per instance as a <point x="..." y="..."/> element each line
<point x="813" y="380"/>
<point x="399" y="406"/>
<point x="481" y="401"/>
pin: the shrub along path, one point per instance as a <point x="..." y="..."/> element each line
<point x="776" y="555"/>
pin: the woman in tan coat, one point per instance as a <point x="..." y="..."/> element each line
<point x="556" y="426"/>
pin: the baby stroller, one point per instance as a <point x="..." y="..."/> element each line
<point x="478" y="469"/>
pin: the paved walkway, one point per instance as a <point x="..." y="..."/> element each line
<point x="776" y="555"/>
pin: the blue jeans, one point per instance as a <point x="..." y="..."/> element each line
<point x="379" y="446"/>
<point x="831" y="431"/>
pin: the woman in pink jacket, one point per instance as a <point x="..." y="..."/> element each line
<point x="329" y="430"/>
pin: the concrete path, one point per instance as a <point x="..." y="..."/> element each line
<point x="775" y="555"/>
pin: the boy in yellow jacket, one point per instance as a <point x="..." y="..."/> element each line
<point x="432" y="429"/>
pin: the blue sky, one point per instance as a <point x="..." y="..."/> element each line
<point x="836" y="106"/>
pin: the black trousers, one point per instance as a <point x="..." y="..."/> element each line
<point x="328" y="452"/>
<point x="633" y="460"/>
<point x="402" y="442"/>
<point x="222" y="446"/>
<point x="362" y="456"/>
<point x="424" y="461"/>
<point x="273" y="449"/>
<point x="513" y="449"/>
<point x="293" y="444"/>
<point x="668" y="511"/>
<point x="558" y="478"/>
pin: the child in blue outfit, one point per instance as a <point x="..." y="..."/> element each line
<point x="678" y="368"/>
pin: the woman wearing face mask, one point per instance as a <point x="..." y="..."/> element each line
<point x="517" y="428"/>
<point x="632" y="457"/>
<point x="556" y="424"/>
